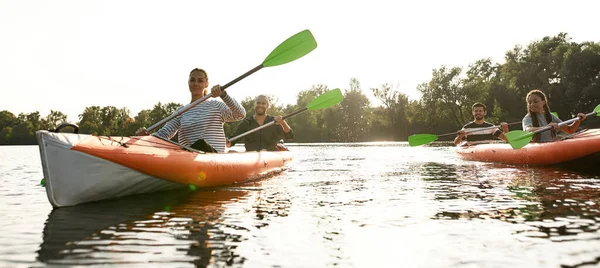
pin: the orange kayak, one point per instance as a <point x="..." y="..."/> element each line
<point x="82" y="168"/>
<point x="579" y="145"/>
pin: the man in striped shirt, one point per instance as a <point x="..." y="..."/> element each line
<point x="487" y="132"/>
<point x="205" y="120"/>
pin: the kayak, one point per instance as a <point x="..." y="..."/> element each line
<point x="80" y="168"/>
<point x="576" y="146"/>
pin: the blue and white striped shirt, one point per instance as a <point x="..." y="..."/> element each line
<point x="204" y="121"/>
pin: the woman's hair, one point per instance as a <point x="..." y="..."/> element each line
<point x="263" y="96"/>
<point x="547" y="114"/>
<point x="200" y="70"/>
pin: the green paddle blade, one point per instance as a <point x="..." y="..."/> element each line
<point x="421" y="139"/>
<point x="519" y="138"/>
<point x="597" y="110"/>
<point x="326" y="100"/>
<point x="291" y="49"/>
<point x="555" y="114"/>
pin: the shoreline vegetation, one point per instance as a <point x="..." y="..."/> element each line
<point x="568" y="72"/>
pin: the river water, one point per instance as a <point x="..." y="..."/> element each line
<point x="344" y="205"/>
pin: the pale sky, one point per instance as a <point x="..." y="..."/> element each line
<point x="67" y="55"/>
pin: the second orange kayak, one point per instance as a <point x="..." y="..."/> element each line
<point x="577" y="146"/>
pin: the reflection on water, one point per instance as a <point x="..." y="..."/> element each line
<point x="200" y="227"/>
<point x="566" y="204"/>
<point x="357" y="205"/>
<point x="555" y="201"/>
<point x="116" y="231"/>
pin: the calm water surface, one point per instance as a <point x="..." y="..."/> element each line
<point x="345" y="205"/>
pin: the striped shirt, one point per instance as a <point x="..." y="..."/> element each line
<point x="481" y="135"/>
<point x="204" y="121"/>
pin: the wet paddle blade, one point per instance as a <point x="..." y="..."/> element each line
<point x="421" y="139"/>
<point x="326" y="100"/>
<point x="519" y="138"/>
<point x="597" y="110"/>
<point x="291" y="49"/>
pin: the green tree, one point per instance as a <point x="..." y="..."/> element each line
<point x="90" y="121"/>
<point x="444" y="97"/>
<point x="351" y="122"/>
<point x="54" y="119"/>
<point x="391" y="123"/>
<point x="24" y="130"/>
<point x="6" y="135"/>
<point x="7" y="119"/>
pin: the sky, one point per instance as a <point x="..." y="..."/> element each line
<point x="66" y="55"/>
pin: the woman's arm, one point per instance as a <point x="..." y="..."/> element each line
<point x="575" y="125"/>
<point x="170" y="128"/>
<point x="233" y="111"/>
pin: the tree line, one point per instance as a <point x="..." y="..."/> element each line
<point x="568" y="72"/>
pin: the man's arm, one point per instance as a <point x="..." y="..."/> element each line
<point x="500" y="134"/>
<point x="459" y="137"/>
<point x="285" y="130"/>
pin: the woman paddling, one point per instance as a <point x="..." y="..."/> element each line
<point x="539" y="116"/>
<point x="205" y="120"/>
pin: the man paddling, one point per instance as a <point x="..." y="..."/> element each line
<point x="479" y="112"/>
<point x="266" y="138"/>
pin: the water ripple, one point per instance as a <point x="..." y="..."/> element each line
<point x="348" y="205"/>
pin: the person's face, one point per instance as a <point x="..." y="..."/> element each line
<point x="198" y="83"/>
<point x="535" y="103"/>
<point x="261" y="105"/>
<point x="478" y="113"/>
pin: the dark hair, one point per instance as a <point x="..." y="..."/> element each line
<point x="479" y="104"/>
<point x="547" y="114"/>
<point x="200" y="70"/>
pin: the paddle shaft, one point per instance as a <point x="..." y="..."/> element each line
<point x="255" y="69"/>
<point x="198" y="101"/>
<point x="477" y="129"/>
<point x="561" y="124"/>
<point x="267" y="125"/>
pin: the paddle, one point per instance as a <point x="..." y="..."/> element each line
<point x="422" y="139"/>
<point x="519" y="138"/>
<point x="325" y="100"/>
<point x="291" y="49"/>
